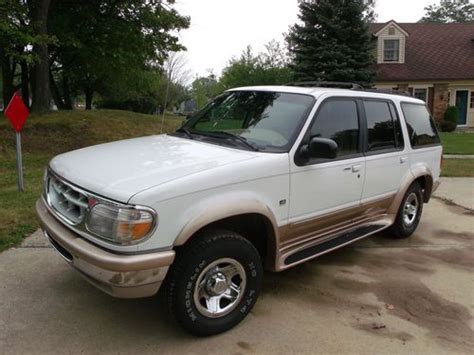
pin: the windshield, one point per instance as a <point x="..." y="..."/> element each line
<point x="264" y="121"/>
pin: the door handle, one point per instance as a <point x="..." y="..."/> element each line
<point x="403" y="160"/>
<point x="356" y="168"/>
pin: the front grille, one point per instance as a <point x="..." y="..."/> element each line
<point x="67" y="201"/>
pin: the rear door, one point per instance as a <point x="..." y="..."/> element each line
<point x="387" y="158"/>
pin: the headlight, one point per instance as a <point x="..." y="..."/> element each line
<point x="120" y="225"/>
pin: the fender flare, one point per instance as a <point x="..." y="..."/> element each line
<point x="414" y="174"/>
<point x="207" y="214"/>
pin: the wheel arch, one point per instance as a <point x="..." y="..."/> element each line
<point x="251" y="218"/>
<point x="421" y="174"/>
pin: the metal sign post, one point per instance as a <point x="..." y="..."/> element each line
<point x="19" y="163"/>
<point x="17" y="113"/>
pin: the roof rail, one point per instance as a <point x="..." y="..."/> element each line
<point x="389" y="91"/>
<point x="327" y="84"/>
<point x="348" y="85"/>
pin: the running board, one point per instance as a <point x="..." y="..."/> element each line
<point x="315" y="250"/>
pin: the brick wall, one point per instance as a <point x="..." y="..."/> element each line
<point x="440" y="101"/>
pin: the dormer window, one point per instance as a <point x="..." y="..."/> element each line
<point x="391" y="50"/>
<point x="391" y="43"/>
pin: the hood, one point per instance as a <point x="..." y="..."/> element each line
<point x="121" y="169"/>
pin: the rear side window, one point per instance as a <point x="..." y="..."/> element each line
<point x="420" y="125"/>
<point x="338" y="120"/>
<point x="382" y="125"/>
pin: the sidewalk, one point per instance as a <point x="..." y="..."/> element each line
<point x="457" y="190"/>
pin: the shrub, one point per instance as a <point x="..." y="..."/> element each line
<point x="452" y="114"/>
<point x="451" y="117"/>
<point x="447" y="126"/>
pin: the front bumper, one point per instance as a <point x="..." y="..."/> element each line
<point x="122" y="276"/>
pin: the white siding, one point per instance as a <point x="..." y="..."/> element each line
<point x="384" y="34"/>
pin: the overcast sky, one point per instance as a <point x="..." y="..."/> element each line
<point x="221" y="29"/>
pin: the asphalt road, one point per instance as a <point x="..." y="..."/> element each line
<point x="377" y="296"/>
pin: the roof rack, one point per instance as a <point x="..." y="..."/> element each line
<point x="348" y="85"/>
<point x="327" y="84"/>
<point x="389" y="91"/>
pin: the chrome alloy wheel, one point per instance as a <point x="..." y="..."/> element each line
<point x="410" y="210"/>
<point x="219" y="288"/>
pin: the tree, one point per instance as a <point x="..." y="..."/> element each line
<point x="68" y="47"/>
<point x="449" y="11"/>
<point x="176" y="77"/>
<point x="40" y="73"/>
<point x="176" y="68"/>
<point x="105" y="42"/>
<point x="17" y="38"/>
<point x="267" y="68"/>
<point x="333" y="42"/>
<point x="204" y="89"/>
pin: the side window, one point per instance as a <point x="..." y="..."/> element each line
<point x="338" y="120"/>
<point x="421" y="128"/>
<point x="383" y="127"/>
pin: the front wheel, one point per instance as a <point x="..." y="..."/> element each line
<point x="409" y="213"/>
<point x="214" y="282"/>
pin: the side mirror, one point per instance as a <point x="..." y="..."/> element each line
<point x="322" y="148"/>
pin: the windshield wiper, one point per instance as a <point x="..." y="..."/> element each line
<point x="238" y="138"/>
<point x="186" y="131"/>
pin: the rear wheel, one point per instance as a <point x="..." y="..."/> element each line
<point x="409" y="213"/>
<point x="214" y="282"/>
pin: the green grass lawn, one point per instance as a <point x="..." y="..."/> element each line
<point x="458" y="143"/>
<point x="46" y="136"/>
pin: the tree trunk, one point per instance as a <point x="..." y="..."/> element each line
<point x="41" y="93"/>
<point x="89" y="94"/>
<point x="55" y="92"/>
<point x="66" y="93"/>
<point x="7" y="78"/>
<point x="25" y="83"/>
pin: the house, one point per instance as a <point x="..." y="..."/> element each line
<point x="432" y="61"/>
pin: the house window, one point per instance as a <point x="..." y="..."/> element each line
<point x="421" y="94"/>
<point x="391" y="50"/>
<point x="472" y="99"/>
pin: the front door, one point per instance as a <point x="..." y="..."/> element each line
<point x="461" y="104"/>
<point x="326" y="193"/>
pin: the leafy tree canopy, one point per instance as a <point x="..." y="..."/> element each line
<point x="205" y="88"/>
<point x="107" y="46"/>
<point x="449" y="11"/>
<point x="17" y="33"/>
<point x="112" y="48"/>
<point x="267" y="68"/>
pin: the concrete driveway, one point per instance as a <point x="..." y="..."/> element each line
<point x="377" y="296"/>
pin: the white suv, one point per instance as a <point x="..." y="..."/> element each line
<point x="261" y="177"/>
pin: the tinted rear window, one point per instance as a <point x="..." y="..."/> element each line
<point x="421" y="128"/>
<point x="382" y="125"/>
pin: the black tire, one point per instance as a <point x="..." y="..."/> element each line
<point x="210" y="247"/>
<point x="401" y="228"/>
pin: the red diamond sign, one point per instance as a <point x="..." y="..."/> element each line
<point x="17" y="112"/>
